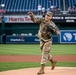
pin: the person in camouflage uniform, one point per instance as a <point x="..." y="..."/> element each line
<point x="47" y="27"/>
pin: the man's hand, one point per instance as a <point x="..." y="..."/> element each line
<point x="30" y="13"/>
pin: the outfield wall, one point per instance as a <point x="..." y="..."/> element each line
<point x="66" y="36"/>
<point x="27" y="39"/>
<point x="18" y="26"/>
<point x="0" y="39"/>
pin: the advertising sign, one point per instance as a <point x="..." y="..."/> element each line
<point x="68" y="36"/>
<point x="22" y="39"/>
<point x="27" y="19"/>
<point x="0" y="39"/>
<point x="27" y="39"/>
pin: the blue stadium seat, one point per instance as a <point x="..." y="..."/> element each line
<point x="31" y="5"/>
<point x="25" y="5"/>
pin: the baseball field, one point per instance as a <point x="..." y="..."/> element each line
<point x="20" y="56"/>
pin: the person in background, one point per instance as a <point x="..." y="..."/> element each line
<point x="43" y="11"/>
<point x="39" y="9"/>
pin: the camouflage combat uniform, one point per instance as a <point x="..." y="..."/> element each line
<point x="45" y="36"/>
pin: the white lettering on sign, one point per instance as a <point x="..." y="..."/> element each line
<point x="37" y="40"/>
<point x="69" y="20"/>
<point x="16" y="39"/>
<point x="70" y="17"/>
<point x="56" y="17"/>
<point x="74" y="35"/>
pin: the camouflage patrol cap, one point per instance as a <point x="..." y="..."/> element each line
<point x="49" y="13"/>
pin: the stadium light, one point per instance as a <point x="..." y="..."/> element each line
<point x="2" y="5"/>
<point x="3" y="22"/>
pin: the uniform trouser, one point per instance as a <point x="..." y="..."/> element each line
<point x="45" y="48"/>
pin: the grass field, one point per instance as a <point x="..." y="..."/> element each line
<point x="33" y="49"/>
<point x="4" y="66"/>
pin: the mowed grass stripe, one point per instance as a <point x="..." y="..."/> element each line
<point x="19" y="49"/>
<point x="27" y="49"/>
<point x="4" y="66"/>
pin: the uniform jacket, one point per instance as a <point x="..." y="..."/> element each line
<point x="45" y="30"/>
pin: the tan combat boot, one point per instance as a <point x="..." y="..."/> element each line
<point x="41" y="71"/>
<point x="53" y="63"/>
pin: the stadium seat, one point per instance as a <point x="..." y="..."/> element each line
<point x="20" y="6"/>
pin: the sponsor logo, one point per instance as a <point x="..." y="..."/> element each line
<point x="17" y="19"/>
<point x="67" y="36"/>
<point x="16" y="39"/>
<point x="20" y="39"/>
<point x="37" y="40"/>
<point x="5" y="18"/>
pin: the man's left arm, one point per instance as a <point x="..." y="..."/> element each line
<point x="57" y="31"/>
<point x="53" y="28"/>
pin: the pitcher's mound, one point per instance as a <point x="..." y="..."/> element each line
<point x="48" y="71"/>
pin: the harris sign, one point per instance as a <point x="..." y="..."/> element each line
<point x="27" y="19"/>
